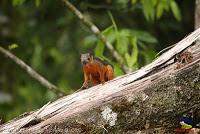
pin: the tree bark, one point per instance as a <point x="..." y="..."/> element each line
<point x="197" y="17"/>
<point x="150" y="100"/>
<point x="197" y="14"/>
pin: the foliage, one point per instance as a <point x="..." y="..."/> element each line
<point x="48" y="37"/>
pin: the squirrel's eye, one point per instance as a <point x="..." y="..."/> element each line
<point x="88" y="58"/>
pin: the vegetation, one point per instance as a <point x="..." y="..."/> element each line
<point x="49" y="37"/>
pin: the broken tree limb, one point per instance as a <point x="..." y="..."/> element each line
<point x="152" y="97"/>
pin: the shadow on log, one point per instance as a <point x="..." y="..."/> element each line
<point x="150" y="100"/>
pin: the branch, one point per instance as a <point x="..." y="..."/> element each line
<point x="98" y="33"/>
<point x="33" y="73"/>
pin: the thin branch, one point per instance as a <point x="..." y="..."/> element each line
<point x="97" y="32"/>
<point x="165" y="49"/>
<point x="33" y="73"/>
<point x="102" y="6"/>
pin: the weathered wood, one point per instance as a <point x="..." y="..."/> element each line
<point x="151" y="97"/>
<point x="197" y="14"/>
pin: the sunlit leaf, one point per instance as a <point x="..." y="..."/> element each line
<point x="124" y="41"/>
<point x="154" y="2"/>
<point x="107" y="30"/>
<point x="99" y="49"/>
<point x="128" y="59"/>
<point x="122" y="44"/>
<point x="166" y="4"/>
<point x="133" y="2"/>
<point x="50" y="95"/>
<point x="160" y="9"/>
<point x="117" y="35"/>
<point x="89" y="41"/>
<point x="132" y="59"/>
<point x="117" y="70"/>
<point x="148" y="10"/>
<point x="134" y="54"/>
<point x="17" y="2"/>
<point x="109" y="33"/>
<point x="144" y="36"/>
<point x="175" y="10"/>
<point x="37" y="3"/>
<point x="125" y="32"/>
<point x="12" y="46"/>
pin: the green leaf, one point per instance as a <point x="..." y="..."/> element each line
<point x="133" y="2"/>
<point x="175" y="10"/>
<point x="122" y="44"/>
<point x="154" y="2"/>
<point x="117" y="70"/>
<point x="37" y="3"/>
<point x="160" y="9"/>
<point x="107" y="30"/>
<point x="17" y="2"/>
<point x="144" y="36"/>
<point x="149" y="55"/>
<point x="12" y="46"/>
<point x="50" y="95"/>
<point x="89" y="41"/>
<point x="134" y="54"/>
<point x="122" y="40"/>
<point x="99" y="49"/>
<point x="128" y="59"/>
<point x="125" y="32"/>
<point x="166" y="4"/>
<point x="148" y="10"/>
<point x="109" y="33"/>
<point x="117" y="36"/>
<point x="133" y="58"/>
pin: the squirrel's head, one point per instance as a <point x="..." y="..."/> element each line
<point x="86" y="58"/>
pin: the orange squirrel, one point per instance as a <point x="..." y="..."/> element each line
<point x="95" y="70"/>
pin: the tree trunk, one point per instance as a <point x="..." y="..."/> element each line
<point x="197" y="17"/>
<point x="150" y="100"/>
<point x="197" y="14"/>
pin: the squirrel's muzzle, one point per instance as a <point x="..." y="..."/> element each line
<point x="84" y="62"/>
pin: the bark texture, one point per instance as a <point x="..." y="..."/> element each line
<point x="197" y="14"/>
<point x="150" y="100"/>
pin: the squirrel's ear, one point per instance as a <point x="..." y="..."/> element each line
<point x="91" y="54"/>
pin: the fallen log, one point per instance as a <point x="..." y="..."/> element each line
<point x="153" y="97"/>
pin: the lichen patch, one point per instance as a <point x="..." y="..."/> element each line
<point x="109" y="116"/>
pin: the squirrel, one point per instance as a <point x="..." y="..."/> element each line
<point x="95" y="71"/>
